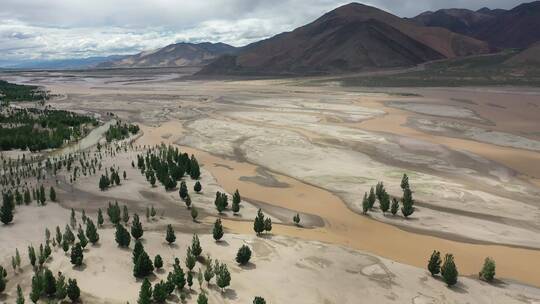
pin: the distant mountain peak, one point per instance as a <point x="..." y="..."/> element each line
<point x="177" y="54"/>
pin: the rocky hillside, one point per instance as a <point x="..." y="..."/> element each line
<point x="350" y="38"/>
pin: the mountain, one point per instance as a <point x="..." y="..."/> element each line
<point x="60" y="64"/>
<point x="350" y="38"/>
<point x="462" y="21"/>
<point x="515" y="28"/>
<point x="174" y="55"/>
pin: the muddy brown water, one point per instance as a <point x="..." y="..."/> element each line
<point x="343" y="226"/>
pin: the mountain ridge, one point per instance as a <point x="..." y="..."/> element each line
<point x="350" y="37"/>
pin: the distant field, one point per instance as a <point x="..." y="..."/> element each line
<point x="488" y="70"/>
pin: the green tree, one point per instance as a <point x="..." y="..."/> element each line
<point x="137" y="250"/>
<point x="259" y="300"/>
<point x="32" y="255"/>
<point x="77" y="255"/>
<point x="136" y="227"/>
<point x="365" y="204"/>
<point x="196" y="248"/>
<point x="267" y="225"/>
<point x="434" y="263"/>
<point x="170" y="237"/>
<point x="371" y="198"/>
<point x="68" y="235"/>
<point x="243" y="255"/>
<point x="3" y="283"/>
<point x="158" y="262"/>
<point x="236" y="201"/>
<point x="143" y="266"/>
<point x="384" y="201"/>
<point x="296" y="219"/>
<point x="179" y="277"/>
<point x="73" y="290"/>
<point x="449" y="270"/>
<point x="404" y="182"/>
<point x="100" y="220"/>
<point x="91" y="232"/>
<point x="189" y="279"/>
<point x="197" y="188"/>
<point x="202" y="299"/>
<point x="187" y="201"/>
<point x="194" y="213"/>
<point x="37" y="287"/>
<point x="195" y="171"/>
<point x="395" y="206"/>
<point x="61" y="287"/>
<point x="217" y="232"/>
<point x="58" y="236"/>
<point x="20" y="296"/>
<point x="183" y="192"/>
<point x="160" y="292"/>
<point x="209" y="270"/>
<point x="223" y="276"/>
<point x="125" y="215"/>
<point x="52" y="194"/>
<point x="488" y="270"/>
<point x="190" y="259"/>
<point x="122" y="236"/>
<point x="145" y="294"/>
<point x="82" y="238"/>
<point x="408" y="203"/>
<point x="258" y="224"/>
<point x="42" y="198"/>
<point x="49" y="283"/>
<point x="6" y="213"/>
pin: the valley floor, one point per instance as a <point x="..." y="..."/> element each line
<point x="472" y="156"/>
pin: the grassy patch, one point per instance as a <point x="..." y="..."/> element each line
<point x="487" y="70"/>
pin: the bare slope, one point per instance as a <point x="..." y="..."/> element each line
<point x="174" y="55"/>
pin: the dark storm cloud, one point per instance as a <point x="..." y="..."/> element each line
<point x="66" y="28"/>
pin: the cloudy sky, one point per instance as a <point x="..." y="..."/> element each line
<point x="59" y="29"/>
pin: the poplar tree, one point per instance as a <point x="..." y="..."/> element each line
<point x="170" y="237"/>
<point x="196" y="248"/>
<point x="145" y="294"/>
<point x="217" y="232"/>
<point x="91" y="232"/>
<point x="258" y="224"/>
<point x="77" y="255"/>
<point x="136" y="227"/>
<point x="73" y="290"/>
<point x="449" y="270"/>
<point x="434" y="263"/>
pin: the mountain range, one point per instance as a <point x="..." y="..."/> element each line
<point x="352" y="37"/>
<point x="515" y="28"/>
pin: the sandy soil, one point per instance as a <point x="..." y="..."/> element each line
<point x="304" y="264"/>
<point x="291" y="147"/>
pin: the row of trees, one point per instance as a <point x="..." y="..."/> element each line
<point x="9" y="200"/>
<point x="449" y="271"/>
<point x="389" y="204"/>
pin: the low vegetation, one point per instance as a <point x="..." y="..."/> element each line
<point x="485" y="70"/>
